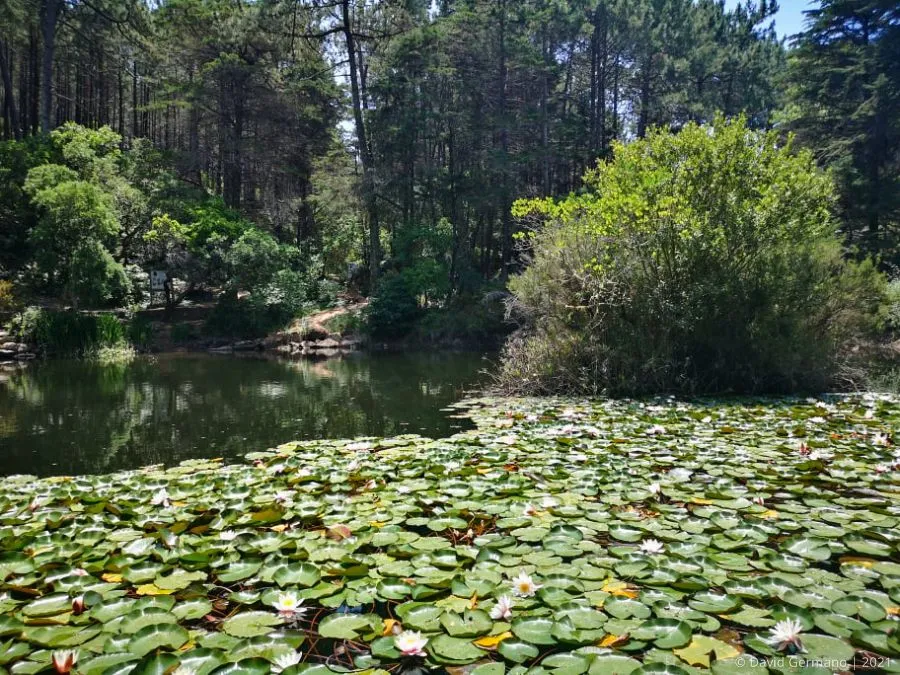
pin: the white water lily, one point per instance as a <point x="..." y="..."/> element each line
<point x="80" y="572"/>
<point x="881" y="439"/>
<point x="64" y="660"/>
<point x="284" y="496"/>
<point x="411" y="643"/>
<point x="289" y="606"/>
<point x="656" y="430"/>
<point x="228" y="535"/>
<point x="161" y="498"/>
<point x="524" y="586"/>
<point x="681" y="474"/>
<point x="285" y="661"/>
<point x="882" y="468"/>
<point x="652" y="546"/>
<point x="503" y="608"/>
<point x="786" y="633"/>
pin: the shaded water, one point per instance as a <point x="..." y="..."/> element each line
<point x="73" y="417"/>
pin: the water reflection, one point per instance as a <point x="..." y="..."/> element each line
<point x="69" y="417"/>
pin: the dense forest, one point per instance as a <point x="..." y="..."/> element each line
<point x="278" y="151"/>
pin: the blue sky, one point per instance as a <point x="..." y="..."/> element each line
<point x="789" y="19"/>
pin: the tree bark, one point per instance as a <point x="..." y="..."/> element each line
<point x="365" y="152"/>
<point x="10" y="96"/>
<point x="49" y="17"/>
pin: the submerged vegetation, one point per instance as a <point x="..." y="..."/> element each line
<point x="562" y="535"/>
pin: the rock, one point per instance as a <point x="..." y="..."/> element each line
<point x="10" y="345"/>
<point x="7" y="354"/>
<point x="327" y="343"/>
<point x="349" y="343"/>
<point x="285" y="350"/>
<point x="295" y="346"/>
<point x="25" y="356"/>
<point x="246" y="345"/>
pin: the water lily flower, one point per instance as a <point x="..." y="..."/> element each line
<point x="529" y="510"/>
<point x="882" y="468"/>
<point x="681" y="474"/>
<point x="656" y="430"/>
<point x="80" y="572"/>
<point x="524" y="586"/>
<point x="411" y="643"/>
<point x="786" y="633"/>
<point x="285" y="661"/>
<point x="64" y="660"/>
<point x="503" y="608"/>
<point x="78" y="605"/>
<point x="228" y="535"/>
<point x="289" y="606"/>
<point x="276" y="469"/>
<point x="870" y="413"/>
<point x="161" y="498"/>
<point x="881" y="439"/>
<point x="35" y="504"/>
<point x="652" y="546"/>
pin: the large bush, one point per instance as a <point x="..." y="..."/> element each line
<point x="705" y="260"/>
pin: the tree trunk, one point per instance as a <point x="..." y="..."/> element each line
<point x="365" y="152"/>
<point x="49" y="16"/>
<point x="9" y="93"/>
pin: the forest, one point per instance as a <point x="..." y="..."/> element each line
<point x="278" y="155"/>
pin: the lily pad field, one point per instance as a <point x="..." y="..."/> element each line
<point x="558" y="536"/>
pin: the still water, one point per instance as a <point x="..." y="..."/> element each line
<point x="74" y="417"/>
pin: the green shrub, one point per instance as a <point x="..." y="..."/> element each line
<point x="394" y="309"/>
<point x="703" y="261"/>
<point x="139" y="332"/>
<point x="69" y="333"/>
<point x="247" y="317"/>
<point x="891" y="308"/>
<point x="182" y="332"/>
<point x="8" y="300"/>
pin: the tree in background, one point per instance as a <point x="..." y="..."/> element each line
<point x="845" y="106"/>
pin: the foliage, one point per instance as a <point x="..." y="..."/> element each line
<point x="394" y="308"/>
<point x="845" y="104"/>
<point x="182" y="332"/>
<point x="528" y="540"/>
<point x="69" y="333"/>
<point x="139" y="332"/>
<point x="276" y="291"/>
<point x="8" y="300"/>
<point x="702" y="261"/>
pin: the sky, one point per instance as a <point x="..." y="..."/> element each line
<point x="789" y="19"/>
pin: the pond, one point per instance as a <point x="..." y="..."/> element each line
<point x="75" y="417"/>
